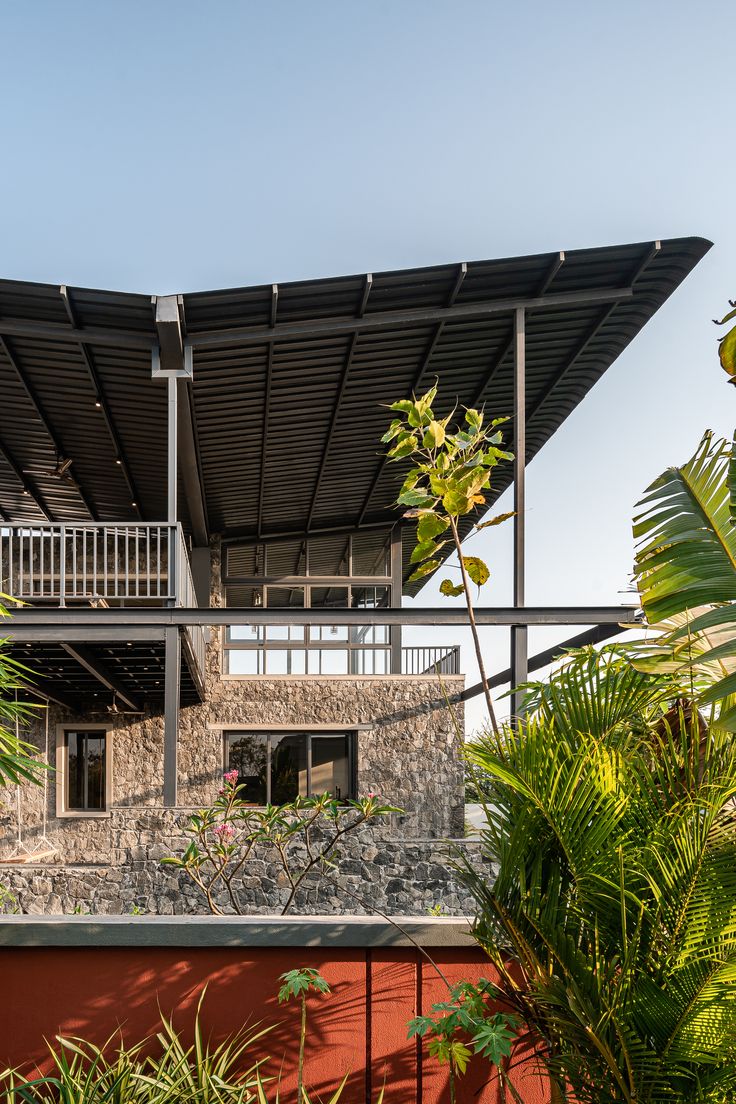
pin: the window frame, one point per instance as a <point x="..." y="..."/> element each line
<point x="349" y="732"/>
<point x="62" y="771"/>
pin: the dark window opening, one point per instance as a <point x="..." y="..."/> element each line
<point x="276" y="767"/>
<point x="86" y="771"/>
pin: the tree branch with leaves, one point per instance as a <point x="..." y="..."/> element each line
<point x="449" y="479"/>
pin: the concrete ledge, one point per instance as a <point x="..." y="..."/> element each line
<point x="233" y="931"/>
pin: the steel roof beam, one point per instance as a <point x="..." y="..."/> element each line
<point x="289" y="331"/>
<point x="43" y="417"/>
<point x="101" y="398"/>
<point x="419" y="377"/>
<point x="29" y="488"/>
<point x="96" y="667"/>
<point x="100" y="620"/>
<point x="57" y="331"/>
<point x="353" y="341"/>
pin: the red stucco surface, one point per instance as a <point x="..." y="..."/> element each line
<point x="360" y="1027"/>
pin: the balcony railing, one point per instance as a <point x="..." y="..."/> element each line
<point x="100" y="564"/>
<point x="263" y="649"/>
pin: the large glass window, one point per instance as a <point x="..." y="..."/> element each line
<point x="86" y="770"/>
<point x="276" y="767"/>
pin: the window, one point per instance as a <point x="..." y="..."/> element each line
<point x="276" y="767"/>
<point x="83" y="764"/>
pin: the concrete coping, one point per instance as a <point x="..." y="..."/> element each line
<point x="234" y="931"/>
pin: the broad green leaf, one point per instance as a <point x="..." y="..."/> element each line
<point x="474" y="418"/>
<point x="727" y="352"/>
<point x="476" y="569"/>
<point x="404" y="448"/>
<point x="434" y="435"/>
<point x="393" y="430"/>
<point x="430" y="526"/>
<point x="497" y="520"/>
<point x="456" y="503"/>
<point x="424" y="550"/>
<point x="450" y="589"/>
<point x="425" y="569"/>
<point x="415" y="498"/>
<point x="402" y="405"/>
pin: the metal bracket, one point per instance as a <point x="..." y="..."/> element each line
<point x="157" y="372"/>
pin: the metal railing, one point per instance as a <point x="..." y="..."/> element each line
<point x="90" y="563"/>
<point x="431" y="661"/>
<point x="100" y="564"/>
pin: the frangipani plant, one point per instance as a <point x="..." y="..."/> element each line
<point x="449" y="479"/>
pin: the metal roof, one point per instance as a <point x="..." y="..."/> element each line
<point x="289" y="380"/>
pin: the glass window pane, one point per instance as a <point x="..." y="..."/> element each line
<point x="286" y="558"/>
<point x="328" y="597"/>
<point x="75" y="770"/>
<point x="247" y="754"/>
<point x="245" y="661"/>
<point x="328" y="661"/>
<point x="288" y="767"/>
<point x="245" y="597"/>
<point x="371" y="553"/>
<point x="285" y="597"/>
<point x="244" y="561"/>
<point x="86" y="771"/>
<point x="331" y="765"/>
<point x="329" y="555"/>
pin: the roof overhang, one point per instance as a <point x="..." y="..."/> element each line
<point x="280" y="422"/>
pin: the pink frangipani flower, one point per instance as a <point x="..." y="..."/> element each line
<point x="231" y="777"/>
<point x="224" y="832"/>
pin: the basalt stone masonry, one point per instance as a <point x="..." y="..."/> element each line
<point x="408" y="750"/>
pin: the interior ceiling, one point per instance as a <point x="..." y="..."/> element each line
<point x="287" y="409"/>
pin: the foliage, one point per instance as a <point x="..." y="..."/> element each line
<point x="686" y="573"/>
<point x="200" y="1073"/>
<point x="301" y="838"/>
<point x="727" y="343"/>
<point x="462" y="1022"/>
<point x="611" y="826"/>
<point x="18" y="759"/>
<point x="449" y="478"/>
<point x="297" y="985"/>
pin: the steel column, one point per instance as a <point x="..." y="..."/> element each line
<point x="171" y="712"/>
<point x="519" y="633"/>
<point x="397" y="569"/>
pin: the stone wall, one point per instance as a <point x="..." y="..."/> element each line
<point x="408" y="751"/>
<point x="375" y="870"/>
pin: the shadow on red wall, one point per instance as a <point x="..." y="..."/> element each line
<point x="359" y="1028"/>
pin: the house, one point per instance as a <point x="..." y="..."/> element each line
<point x="196" y="514"/>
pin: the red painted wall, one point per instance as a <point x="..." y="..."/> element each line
<point x="360" y="1027"/>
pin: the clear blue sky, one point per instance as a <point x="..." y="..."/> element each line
<point x="178" y="146"/>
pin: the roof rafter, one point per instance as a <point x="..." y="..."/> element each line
<point x="96" y="667"/>
<point x="29" y="487"/>
<point x="101" y="398"/>
<point x="11" y="356"/>
<point x="353" y="341"/>
<point x="418" y="379"/>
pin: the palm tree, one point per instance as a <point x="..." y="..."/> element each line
<point x="612" y="916"/>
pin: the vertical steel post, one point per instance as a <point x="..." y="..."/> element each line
<point x="519" y="633"/>
<point x="172" y="649"/>
<point x="397" y="571"/>
<point x="172" y="638"/>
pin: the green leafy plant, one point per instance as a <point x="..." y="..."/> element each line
<point x="727" y="343"/>
<point x="686" y="574"/>
<point x="463" y="1025"/>
<point x="611" y="919"/>
<point x="297" y="986"/>
<point x="448" y="479"/>
<point x="302" y="838"/>
<point x="156" y="1071"/>
<point x="19" y="760"/>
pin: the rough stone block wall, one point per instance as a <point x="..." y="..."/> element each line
<point x="374" y="871"/>
<point x="408" y="750"/>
